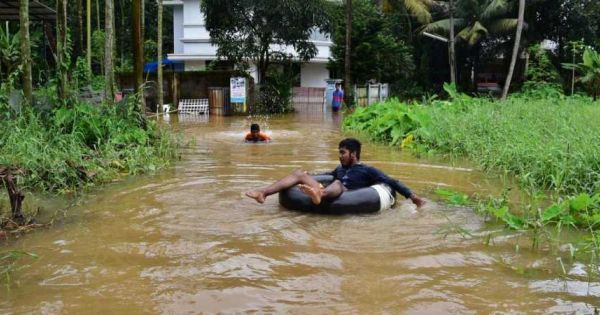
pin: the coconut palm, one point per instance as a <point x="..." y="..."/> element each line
<point x="590" y="67"/>
<point x="420" y="9"/>
<point x="476" y="20"/>
<point x="515" y="52"/>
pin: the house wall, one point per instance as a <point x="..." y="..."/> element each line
<point x="178" y="29"/>
<point x="192" y="44"/>
<point x="314" y="75"/>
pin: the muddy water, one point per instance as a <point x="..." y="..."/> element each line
<point x="185" y="241"/>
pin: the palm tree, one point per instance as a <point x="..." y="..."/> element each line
<point x="417" y="8"/>
<point x="109" y="94"/>
<point x="62" y="61"/>
<point x="347" y="57"/>
<point x="451" y="44"/>
<point x="138" y="51"/>
<point x="159" y="53"/>
<point x="25" y="50"/>
<point x="590" y="67"/>
<point x="88" y="24"/>
<point x="476" y="19"/>
<point x="515" y="52"/>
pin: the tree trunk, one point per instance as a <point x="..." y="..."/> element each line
<point x="109" y="93"/>
<point x="515" y="52"/>
<point x="347" y="57"/>
<point x="98" y="15"/>
<point x="159" y="53"/>
<point x="451" y="51"/>
<point x="61" y="44"/>
<point x="88" y="16"/>
<point x="379" y="5"/>
<point x="122" y="46"/>
<point x="14" y="194"/>
<point x="81" y="46"/>
<point x="138" y="52"/>
<point x="26" y="51"/>
<point x="143" y="24"/>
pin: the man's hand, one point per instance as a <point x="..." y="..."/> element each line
<point x="417" y="200"/>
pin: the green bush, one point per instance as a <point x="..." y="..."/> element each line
<point x="73" y="147"/>
<point x="548" y="143"/>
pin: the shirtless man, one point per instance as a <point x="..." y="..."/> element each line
<point x="350" y="174"/>
<point x="255" y="135"/>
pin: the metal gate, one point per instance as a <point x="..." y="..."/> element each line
<point x="308" y="101"/>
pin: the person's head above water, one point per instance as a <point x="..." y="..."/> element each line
<point x="255" y="135"/>
<point x="349" y="151"/>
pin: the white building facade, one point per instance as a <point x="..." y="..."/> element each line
<point x="192" y="45"/>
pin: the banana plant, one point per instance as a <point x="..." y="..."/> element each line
<point x="590" y="68"/>
<point x="10" y="54"/>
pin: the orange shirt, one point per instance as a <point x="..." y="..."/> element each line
<point x="261" y="136"/>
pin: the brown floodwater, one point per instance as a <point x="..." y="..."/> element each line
<point x="186" y="240"/>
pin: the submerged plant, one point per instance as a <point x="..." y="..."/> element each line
<point x="10" y="263"/>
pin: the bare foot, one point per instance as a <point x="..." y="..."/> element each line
<point x="314" y="195"/>
<point x="257" y="195"/>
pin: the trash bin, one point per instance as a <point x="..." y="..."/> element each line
<point x="218" y="101"/>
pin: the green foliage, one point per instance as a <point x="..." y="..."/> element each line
<point x="475" y="20"/>
<point x="453" y="197"/>
<point x="376" y="52"/>
<point x="10" y="51"/>
<point x="590" y="67"/>
<point x="9" y="264"/>
<point x="259" y="30"/>
<point x="275" y="94"/>
<point x="75" y="147"/>
<point x="98" y="46"/>
<point x="580" y="212"/>
<point x="543" y="79"/>
<point x="81" y="74"/>
<point x="150" y="50"/>
<point x="547" y="143"/>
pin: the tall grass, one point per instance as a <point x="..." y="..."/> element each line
<point x="69" y="148"/>
<point x="549" y="144"/>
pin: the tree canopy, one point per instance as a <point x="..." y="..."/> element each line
<point x="377" y="53"/>
<point x="263" y="31"/>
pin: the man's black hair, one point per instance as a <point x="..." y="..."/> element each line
<point x="351" y="145"/>
<point x="254" y="127"/>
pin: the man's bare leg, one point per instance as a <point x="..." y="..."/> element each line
<point x="296" y="177"/>
<point x="332" y="191"/>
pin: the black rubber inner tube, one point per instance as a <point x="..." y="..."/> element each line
<point x="364" y="200"/>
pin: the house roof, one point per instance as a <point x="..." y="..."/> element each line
<point x="9" y="10"/>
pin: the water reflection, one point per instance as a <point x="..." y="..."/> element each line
<point x="186" y="241"/>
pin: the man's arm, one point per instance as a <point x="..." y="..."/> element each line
<point x="397" y="186"/>
<point x="332" y="173"/>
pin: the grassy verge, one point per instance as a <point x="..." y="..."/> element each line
<point x="68" y="149"/>
<point x="551" y="144"/>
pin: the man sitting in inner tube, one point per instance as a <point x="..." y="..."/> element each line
<point x="350" y="174"/>
<point x="255" y="135"/>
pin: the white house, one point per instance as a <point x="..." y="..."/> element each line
<point x="193" y="47"/>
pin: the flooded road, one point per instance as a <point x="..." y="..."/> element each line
<point x="186" y="241"/>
